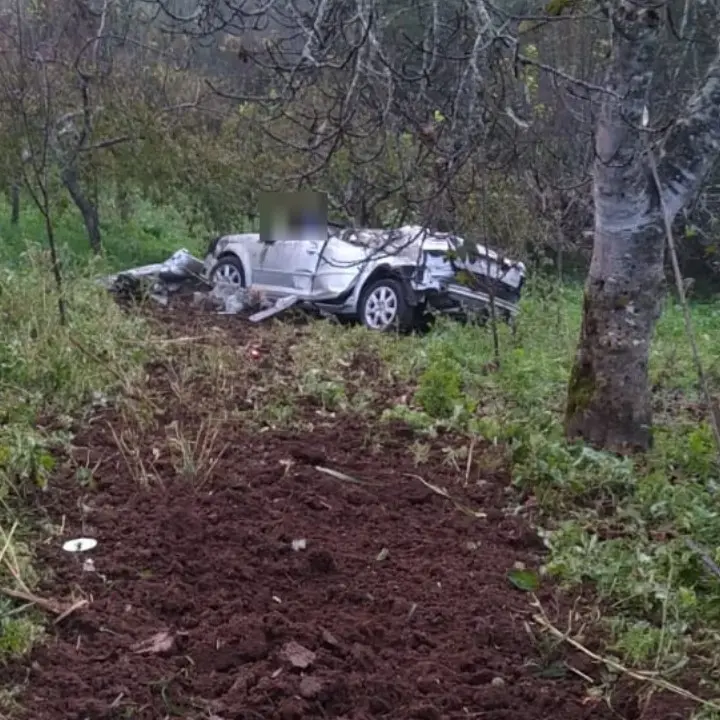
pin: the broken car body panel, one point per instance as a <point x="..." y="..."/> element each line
<point x="333" y="272"/>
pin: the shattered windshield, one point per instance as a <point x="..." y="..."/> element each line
<point x="365" y="238"/>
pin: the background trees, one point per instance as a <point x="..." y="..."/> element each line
<point x="512" y="120"/>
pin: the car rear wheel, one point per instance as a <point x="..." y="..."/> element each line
<point x="229" y="271"/>
<point x="383" y="306"/>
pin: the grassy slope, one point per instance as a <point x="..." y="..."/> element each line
<point x="48" y="371"/>
<point x="149" y="236"/>
<point x="619" y="524"/>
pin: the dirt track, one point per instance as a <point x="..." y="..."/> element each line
<point x="397" y="607"/>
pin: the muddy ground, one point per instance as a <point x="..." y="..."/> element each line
<point x="306" y="574"/>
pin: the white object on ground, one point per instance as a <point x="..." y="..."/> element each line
<point x="80" y="545"/>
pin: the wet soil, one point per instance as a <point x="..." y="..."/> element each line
<point x="308" y="575"/>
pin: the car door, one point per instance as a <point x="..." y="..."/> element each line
<point x="287" y="265"/>
<point x="255" y="251"/>
<point x="268" y="260"/>
<point x="340" y="263"/>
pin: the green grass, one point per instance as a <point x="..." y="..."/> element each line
<point x="619" y="524"/>
<point x="49" y="373"/>
<point x="149" y="235"/>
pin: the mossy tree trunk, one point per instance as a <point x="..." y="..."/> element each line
<point x="609" y="403"/>
<point x="609" y="399"/>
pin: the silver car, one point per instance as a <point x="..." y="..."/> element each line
<point x="385" y="278"/>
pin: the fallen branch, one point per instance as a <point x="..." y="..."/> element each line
<point x="62" y="610"/>
<point x="644" y="676"/>
<point x="442" y="492"/>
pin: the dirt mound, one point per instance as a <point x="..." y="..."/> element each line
<point x="280" y="590"/>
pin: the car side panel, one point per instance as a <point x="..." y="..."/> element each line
<point x="288" y="266"/>
<point x="340" y="264"/>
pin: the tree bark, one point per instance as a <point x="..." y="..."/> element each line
<point x="609" y="399"/>
<point x="15" y="203"/>
<point x="123" y="203"/>
<point x="87" y="208"/>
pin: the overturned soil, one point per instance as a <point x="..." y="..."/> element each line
<point x="307" y="575"/>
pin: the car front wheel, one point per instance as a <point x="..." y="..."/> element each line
<point x="229" y="271"/>
<point x="384" y="306"/>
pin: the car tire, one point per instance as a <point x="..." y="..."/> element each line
<point x="228" y="270"/>
<point x="384" y="307"/>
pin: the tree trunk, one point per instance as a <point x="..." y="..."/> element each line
<point x="87" y="208"/>
<point x="608" y="396"/>
<point x="609" y="400"/>
<point x="609" y="403"/>
<point x="123" y="203"/>
<point x="15" y="203"/>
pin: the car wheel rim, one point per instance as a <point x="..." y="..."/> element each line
<point x="381" y="307"/>
<point x="228" y="274"/>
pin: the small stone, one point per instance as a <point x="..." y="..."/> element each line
<point x="291" y="709"/>
<point x="329" y="639"/>
<point x="497" y="682"/>
<point x="297" y="655"/>
<point x="310" y="687"/>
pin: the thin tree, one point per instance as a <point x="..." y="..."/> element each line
<point x="609" y="398"/>
<point x="25" y="75"/>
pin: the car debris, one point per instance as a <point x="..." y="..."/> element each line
<point x="386" y="279"/>
<point x="160" y="280"/>
<point x="281" y="304"/>
<point x="229" y="300"/>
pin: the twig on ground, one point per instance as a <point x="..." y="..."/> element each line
<point x="138" y="473"/>
<point x="468" y="465"/>
<point x="62" y="610"/>
<point x="644" y="676"/>
<point x="442" y="492"/>
<point x="8" y="553"/>
<point x="70" y="610"/>
<point x="340" y="476"/>
<point x="8" y="540"/>
<point x="180" y="340"/>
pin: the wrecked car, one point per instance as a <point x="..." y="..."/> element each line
<point x="387" y="279"/>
